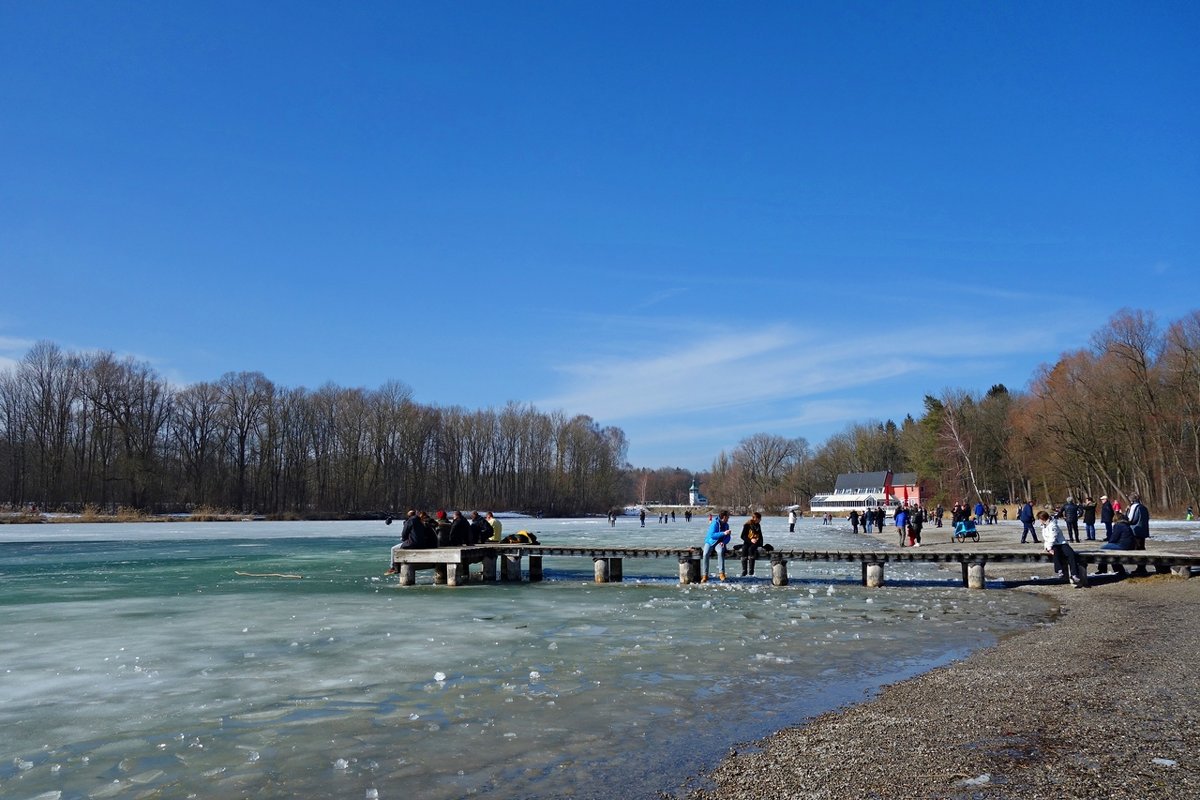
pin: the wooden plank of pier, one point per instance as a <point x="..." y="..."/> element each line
<point x="451" y="565"/>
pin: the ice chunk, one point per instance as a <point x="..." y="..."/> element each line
<point x="982" y="780"/>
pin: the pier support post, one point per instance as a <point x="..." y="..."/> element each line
<point x="439" y="575"/>
<point x="873" y="574"/>
<point x="779" y="576"/>
<point x="512" y="568"/>
<point x="689" y="570"/>
<point x="600" y="565"/>
<point x="535" y="569"/>
<point x="616" y="570"/>
<point x="408" y="574"/>
<point x="975" y="575"/>
<point x="489" y="568"/>
<point x="1182" y="572"/>
<point x="457" y="574"/>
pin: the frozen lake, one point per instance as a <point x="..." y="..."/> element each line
<point x="136" y="662"/>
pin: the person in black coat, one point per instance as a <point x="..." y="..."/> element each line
<point x="1121" y="538"/>
<point x="1070" y="515"/>
<point x="481" y="531"/>
<point x="1089" y="519"/>
<point x="1106" y="516"/>
<point x="1139" y="521"/>
<point x="460" y="530"/>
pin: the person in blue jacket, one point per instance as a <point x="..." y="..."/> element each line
<point x="1026" y="517"/>
<point x="1121" y="538"/>
<point x="717" y="539"/>
<point x="901" y="520"/>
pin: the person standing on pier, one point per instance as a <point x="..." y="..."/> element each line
<point x="717" y="538"/>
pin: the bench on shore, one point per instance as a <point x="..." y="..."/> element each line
<point x="452" y="565"/>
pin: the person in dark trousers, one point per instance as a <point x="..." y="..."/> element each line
<point x="1106" y="516"/>
<point x="854" y="519"/>
<point x="460" y="530"/>
<point x="752" y="539"/>
<point x="1066" y="562"/>
<point x="1070" y="515"/>
<point x="1139" y="521"/>
<point x="1089" y="519"/>
<point x="915" y="524"/>
<point x="1121" y="538"/>
<point x="481" y="531"/>
<point x="1026" y="517"/>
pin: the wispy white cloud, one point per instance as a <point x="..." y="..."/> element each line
<point x="730" y="369"/>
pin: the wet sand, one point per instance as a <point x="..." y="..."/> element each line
<point x="1103" y="702"/>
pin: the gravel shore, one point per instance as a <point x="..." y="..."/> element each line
<point x="1102" y="702"/>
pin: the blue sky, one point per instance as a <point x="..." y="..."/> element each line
<point x="695" y="221"/>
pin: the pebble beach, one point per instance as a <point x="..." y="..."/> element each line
<point x="1100" y="702"/>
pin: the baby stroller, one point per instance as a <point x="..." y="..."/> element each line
<point x="964" y="530"/>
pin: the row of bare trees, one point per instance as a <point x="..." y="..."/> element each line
<point x="82" y="429"/>
<point x="1120" y="416"/>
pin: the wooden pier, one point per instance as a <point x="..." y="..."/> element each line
<point x="502" y="562"/>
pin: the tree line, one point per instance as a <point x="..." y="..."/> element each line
<point x="1117" y="417"/>
<point x="91" y="429"/>
<point x="1121" y="415"/>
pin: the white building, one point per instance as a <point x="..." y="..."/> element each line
<point x="863" y="490"/>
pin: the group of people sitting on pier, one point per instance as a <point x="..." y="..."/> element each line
<point x="422" y="531"/>
<point x="718" y="538"/>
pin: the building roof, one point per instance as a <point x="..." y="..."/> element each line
<point x="872" y="481"/>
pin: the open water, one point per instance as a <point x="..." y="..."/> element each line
<point x="135" y="661"/>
